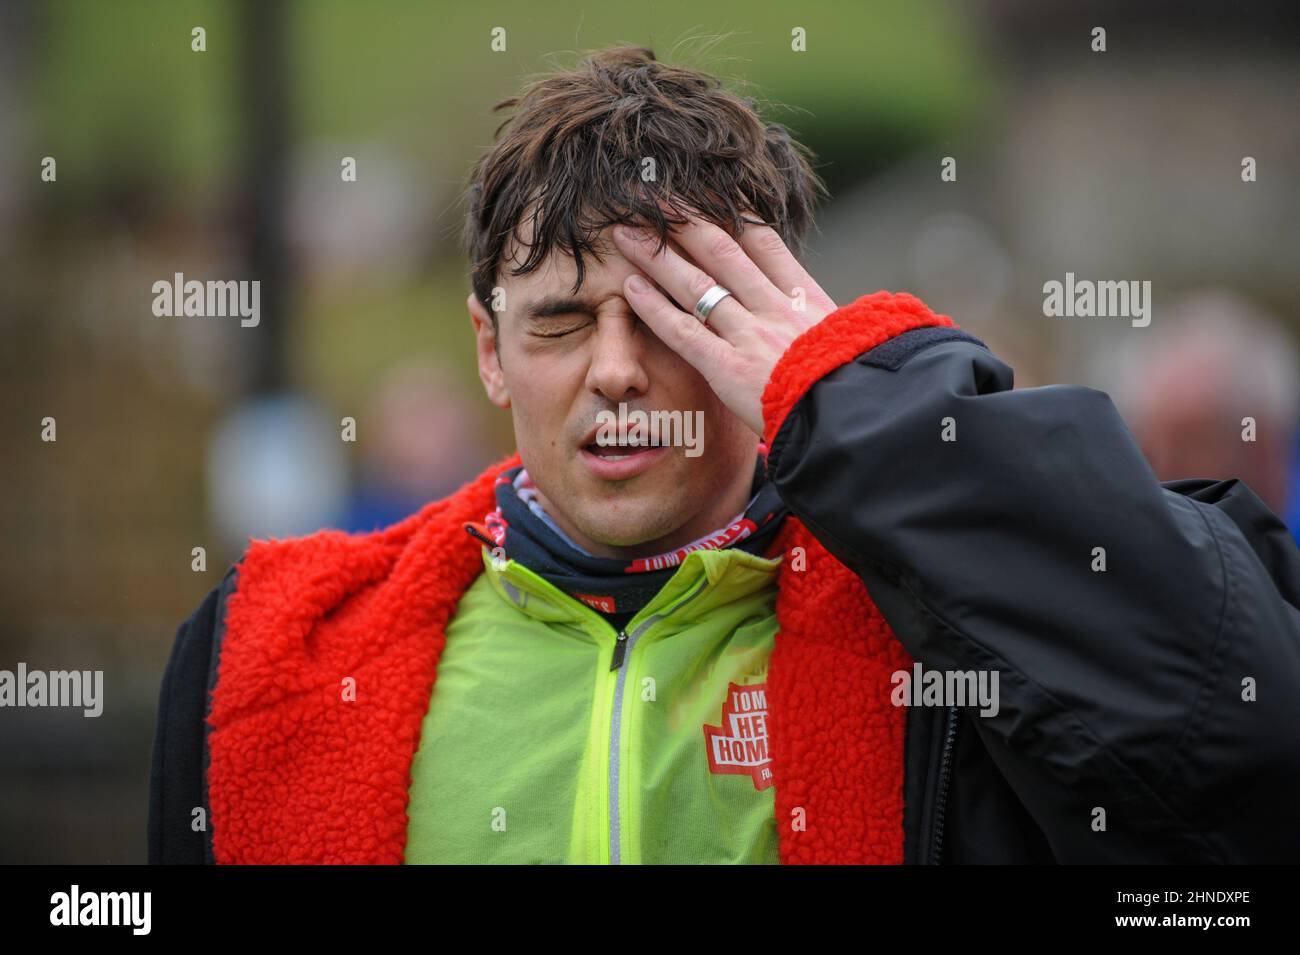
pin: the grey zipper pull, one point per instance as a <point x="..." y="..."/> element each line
<point x="620" y="649"/>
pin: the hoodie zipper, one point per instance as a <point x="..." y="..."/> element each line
<point x="945" y="777"/>
<point x="621" y="647"/>
<point x="622" y="650"/>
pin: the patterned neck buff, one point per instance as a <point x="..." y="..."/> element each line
<point x="615" y="588"/>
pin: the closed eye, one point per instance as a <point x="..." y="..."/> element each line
<point x="563" y="329"/>
<point x="567" y="331"/>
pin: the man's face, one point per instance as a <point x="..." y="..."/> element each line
<point x="557" y="360"/>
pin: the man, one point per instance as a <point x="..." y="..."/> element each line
<point x="616" y="649"/>
<point x="1218" y="360"/>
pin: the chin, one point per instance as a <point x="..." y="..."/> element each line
<point x="632" y="530"/>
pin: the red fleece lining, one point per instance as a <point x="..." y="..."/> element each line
<point x="298" y="774"/>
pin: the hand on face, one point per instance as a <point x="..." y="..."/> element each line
<point x="773" y="300"/>
<point x="558" y="358"/>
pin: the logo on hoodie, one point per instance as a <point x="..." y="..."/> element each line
<point x="739" y="745"/>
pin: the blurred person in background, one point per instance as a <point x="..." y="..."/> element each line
<point x="608" y="649"/>
<point x="1213" y="392"/>
<point x="415" y="414"/>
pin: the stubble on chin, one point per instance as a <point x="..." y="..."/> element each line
<point x="619" y="516"/>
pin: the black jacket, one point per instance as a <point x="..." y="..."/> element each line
<point x="1120" y="690"/>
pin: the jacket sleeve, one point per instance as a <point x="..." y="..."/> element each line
<point x="178" y="771"/>
<point x="1146" y="637"/>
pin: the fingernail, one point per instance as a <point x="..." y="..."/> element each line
<point x="638" y="284"/>
<point x="629" y="233"/>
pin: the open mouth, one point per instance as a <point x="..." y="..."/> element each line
<point x="617" y="452"/>
<point x="621" y="459"/>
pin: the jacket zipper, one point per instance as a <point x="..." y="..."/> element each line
<point x="622" y="649"/>
<point x="945" y="776"/>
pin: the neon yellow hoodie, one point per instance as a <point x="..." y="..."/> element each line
<point x="541" y="745"/>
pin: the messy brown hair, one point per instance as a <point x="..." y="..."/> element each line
<point x="572" y="155"/>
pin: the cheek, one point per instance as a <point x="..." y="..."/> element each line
<point x="677" y="384"/>
<point x="535" y="413"/>
<point x="540" y="394"/>
<point x="670" y="372"/>
<point x="694" y="391"/>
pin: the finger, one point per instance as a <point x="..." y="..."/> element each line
<point x="730" y="265"/>
<point x="679" y="330"/>
<point x="681" y="279"/>
<point x="768" y="251"/>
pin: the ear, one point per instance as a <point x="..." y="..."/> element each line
<point x="489" y="358"/>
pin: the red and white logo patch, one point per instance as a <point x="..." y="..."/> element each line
<point x="603" y="604"/>
<point x="739" y="745"/>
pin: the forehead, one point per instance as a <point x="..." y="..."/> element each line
<point x="558" y="271"/>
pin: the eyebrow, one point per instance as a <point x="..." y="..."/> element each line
<point x="552" y="305"/>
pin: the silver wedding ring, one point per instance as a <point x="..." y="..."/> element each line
<point x="708" y="301"/>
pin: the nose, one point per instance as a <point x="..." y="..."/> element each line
<point x="617" y="368"/>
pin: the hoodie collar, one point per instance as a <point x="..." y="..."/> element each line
<point x="704" y="581"/>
